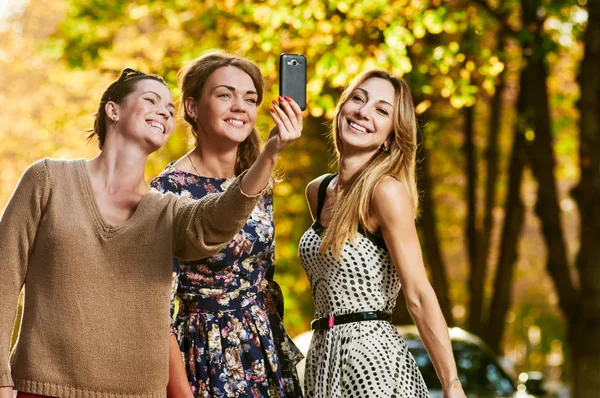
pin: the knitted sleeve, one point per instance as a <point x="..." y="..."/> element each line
<point x="203" y="227"/>
<point x="174" y="286"/>
<point x="18" y="229"/>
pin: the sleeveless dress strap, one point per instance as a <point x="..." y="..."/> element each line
<point x="322" y="194"/>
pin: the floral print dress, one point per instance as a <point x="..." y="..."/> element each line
<point x="228" y="318"/>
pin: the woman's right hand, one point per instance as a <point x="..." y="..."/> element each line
<point x="288" y="128"/>
<point x="6" y="392"/>
<point x="287" y="116"/>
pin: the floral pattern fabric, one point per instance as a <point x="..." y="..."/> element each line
<point x="227" y="309"/>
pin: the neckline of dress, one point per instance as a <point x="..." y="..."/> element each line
<point x="375" y="239"/>
<point x="171" y="168"/>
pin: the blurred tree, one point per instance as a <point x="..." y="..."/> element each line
<point x="464" y="60"/>
<point x="580" y="304"/>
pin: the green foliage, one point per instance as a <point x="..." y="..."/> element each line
<point x="448" y="54"/>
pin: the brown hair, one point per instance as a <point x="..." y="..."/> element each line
<point x="192" y="79"/>
<point x="117" y="92"/>
<point x="353" y="206"/>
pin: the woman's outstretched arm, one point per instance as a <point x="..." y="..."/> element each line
<point x="204" y="227"/>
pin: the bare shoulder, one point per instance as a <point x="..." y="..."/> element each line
<point x="312" y="193"/>
<point x="391" y="199"/>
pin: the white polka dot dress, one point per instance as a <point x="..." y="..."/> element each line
<point x="360" y="359"/>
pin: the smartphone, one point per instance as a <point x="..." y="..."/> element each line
<point x="292" y="78"/>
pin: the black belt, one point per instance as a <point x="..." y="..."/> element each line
<point x="331" y="321"/>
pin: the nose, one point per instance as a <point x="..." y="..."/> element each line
<point x="363" y="112"/>
<point x="238" y="105"/>
<point x="163" y="111"/>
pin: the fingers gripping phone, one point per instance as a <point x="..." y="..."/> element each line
<point x="292" y="78"/>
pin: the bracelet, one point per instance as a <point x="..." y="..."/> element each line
<point x="452" y="382"/>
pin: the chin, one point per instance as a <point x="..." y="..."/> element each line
<point x="354" y="141"/>
<point x="154" y="145"/>
<point x="238" y="138"/>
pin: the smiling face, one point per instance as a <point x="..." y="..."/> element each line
<point x="365" y="120"/>
<point x="227" y="107"/>
<point x="146" y="115"/>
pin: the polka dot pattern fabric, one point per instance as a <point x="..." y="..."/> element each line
<point x="361" y="359"/>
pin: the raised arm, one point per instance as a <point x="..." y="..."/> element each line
<point x="392" y="208"/>
<point x="288" y="128"/>
<point x="18" y="229"/>
<point x="203" y="228"/>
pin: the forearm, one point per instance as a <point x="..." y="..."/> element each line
<point x="427" y="314"/>
<point x="6" y="392"/>
<point x="178" y="386"/>
<point x="259" y="174"/>
<point x="203" y="227"/>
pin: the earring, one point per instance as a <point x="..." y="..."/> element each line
<point x="385" y="148"/>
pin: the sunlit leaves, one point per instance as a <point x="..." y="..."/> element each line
<point x="447" y="51"/>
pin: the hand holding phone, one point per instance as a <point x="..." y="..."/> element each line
<point x="292" y="78"/>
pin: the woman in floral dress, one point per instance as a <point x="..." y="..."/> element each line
<point x="228" y="324"/>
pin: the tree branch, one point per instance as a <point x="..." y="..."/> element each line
<point x="500" y="18"/>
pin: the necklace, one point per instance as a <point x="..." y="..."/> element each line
<point x="190" y="159"/>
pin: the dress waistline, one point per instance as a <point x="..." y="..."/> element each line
<point x="194" y="303"/>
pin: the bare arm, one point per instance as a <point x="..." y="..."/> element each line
<point x="178" y="386"/>
<point x="288" y="128"/>
<point x="204" y="227"/>
<point x="392" y="208"/>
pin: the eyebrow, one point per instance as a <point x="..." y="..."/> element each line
<point x="367" y="94"/>
<point x="231" y="88"/>
<point x="159" y="97"/>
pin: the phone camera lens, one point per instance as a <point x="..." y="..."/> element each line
<point x="294" y="62"/>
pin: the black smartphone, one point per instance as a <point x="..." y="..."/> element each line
<point x="292" y="78"/>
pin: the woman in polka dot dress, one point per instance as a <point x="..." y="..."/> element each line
<point x="363" y="246"/>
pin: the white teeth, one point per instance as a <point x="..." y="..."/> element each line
<point x="235" y="122"/>
<point x="357" y="127"/>
<point x="158" y="126"/>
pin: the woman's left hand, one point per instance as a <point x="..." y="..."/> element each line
<point x="455" y="391"/>
<point x="288" y="125"/>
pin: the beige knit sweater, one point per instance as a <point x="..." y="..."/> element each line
<point x="96" y="314"/>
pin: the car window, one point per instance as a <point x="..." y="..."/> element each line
<point x="479" y="373"/>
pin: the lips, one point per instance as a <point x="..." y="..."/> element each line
<point x="357" y="127"/>
<point x="156" y="125"/>
<point x="235" y="122"/>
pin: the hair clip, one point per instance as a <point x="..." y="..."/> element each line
<point x="128" y="72"/>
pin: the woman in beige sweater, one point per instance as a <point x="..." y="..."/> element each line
<point x="93" y="247"/>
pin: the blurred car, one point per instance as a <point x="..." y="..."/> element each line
<point x="479" y="371"/>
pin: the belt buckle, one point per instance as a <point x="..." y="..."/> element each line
<point x="330" y="322"/>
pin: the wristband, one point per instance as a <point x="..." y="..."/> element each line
<point x="452" y="382"/>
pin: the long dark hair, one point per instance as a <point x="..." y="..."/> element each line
<point x="117" y="92"/>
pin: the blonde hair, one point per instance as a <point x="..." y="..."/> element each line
<point x="352" y="209"/>
<point x="193" y="77"/>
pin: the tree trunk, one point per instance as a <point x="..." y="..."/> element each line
<point x="584" y="340"/>
<point x="431" y="242"/>
<point x="472" y="234"/>
<point x="513" y="221"/>
<point x="585" y="330"/>
<point x="491" y="159"/>
<point x="541" y="158"/>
